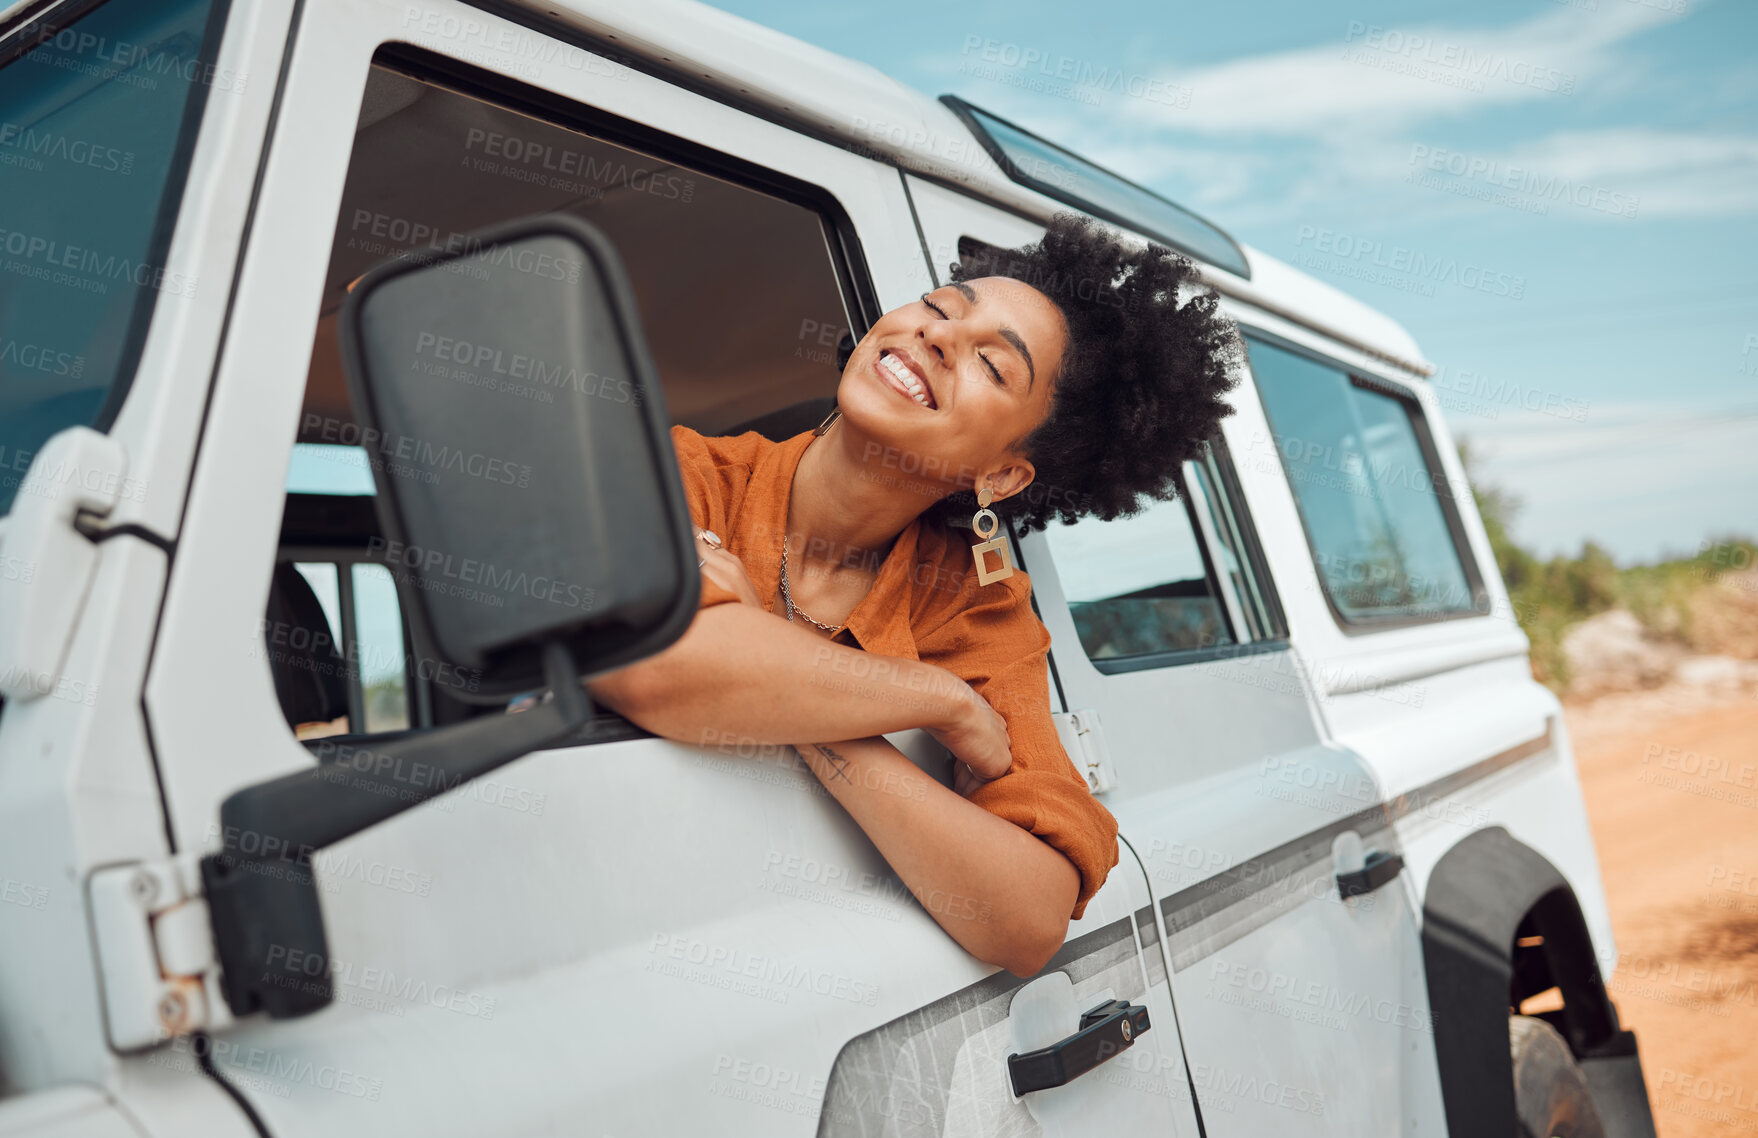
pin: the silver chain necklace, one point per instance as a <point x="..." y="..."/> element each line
<point x="788" y="597"/>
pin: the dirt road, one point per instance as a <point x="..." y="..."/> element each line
<point x="1672" y="792"/>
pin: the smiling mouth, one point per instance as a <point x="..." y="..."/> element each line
<point x="902" y="377"/>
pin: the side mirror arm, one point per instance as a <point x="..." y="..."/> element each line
<point x="262" y="890"/>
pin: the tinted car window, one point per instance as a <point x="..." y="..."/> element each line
<point x="1372" y="500"/>
<point x="97" y="119"/>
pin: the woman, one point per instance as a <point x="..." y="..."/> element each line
<point x="842" y="600"/>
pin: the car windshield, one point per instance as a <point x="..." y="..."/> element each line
<point x="97" y="118"/>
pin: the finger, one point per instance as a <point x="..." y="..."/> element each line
<point x="992" y="768"/>
<point x="964" y="783"/>
<point x="976" y="773"/>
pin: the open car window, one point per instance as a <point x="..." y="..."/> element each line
<point x="741" y="298"/>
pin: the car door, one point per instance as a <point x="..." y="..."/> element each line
<point x="1418" y="655"/>
<point x="621" y="935"/>
<point x="1298" y="1007"/>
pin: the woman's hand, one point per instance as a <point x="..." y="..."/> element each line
<point x="724" y="569"/>
<point x="978" y="740"/>
<point x="966" y="781"/>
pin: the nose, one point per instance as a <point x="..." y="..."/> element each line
<point x="939" y="338"/>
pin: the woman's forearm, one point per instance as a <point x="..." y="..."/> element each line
<point x="999" y="891"/>
<point x="740" y="672"/>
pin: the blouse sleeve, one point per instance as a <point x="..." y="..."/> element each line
<point x="707" y="490"/>
<point x="999" y="646"/>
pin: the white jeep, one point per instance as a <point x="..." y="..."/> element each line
<point x="1353" y="843"/>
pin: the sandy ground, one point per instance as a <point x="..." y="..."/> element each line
<point x="1671" y="780"/>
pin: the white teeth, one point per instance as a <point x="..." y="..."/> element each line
<point x="906" y="377"/>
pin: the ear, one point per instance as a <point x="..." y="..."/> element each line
<point x="1014" y="475"/>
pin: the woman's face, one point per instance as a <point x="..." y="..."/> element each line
<point x="984" y="356"/>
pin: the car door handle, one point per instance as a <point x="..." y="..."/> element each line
<point x="1381" y="867"/>
<point x="1105" y="1031"/>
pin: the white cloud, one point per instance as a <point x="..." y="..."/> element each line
<point x="1671" y="175"/>
<point x="1381" y="78"/>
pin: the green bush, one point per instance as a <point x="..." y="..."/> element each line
<point x="1551" y="596"/>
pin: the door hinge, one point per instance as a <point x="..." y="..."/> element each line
<point x="1085" y="744"/>
<point x="156" y="958"/>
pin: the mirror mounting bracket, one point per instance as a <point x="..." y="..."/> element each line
<point x="262" y="889"/>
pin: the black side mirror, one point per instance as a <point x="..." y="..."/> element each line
<point x="540" y="499"/>
<point x="529" y="492"/>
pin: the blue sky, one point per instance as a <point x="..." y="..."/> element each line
<point x="1598" y="158"/>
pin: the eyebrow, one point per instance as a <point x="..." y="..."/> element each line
<point x="1008" y="334"/>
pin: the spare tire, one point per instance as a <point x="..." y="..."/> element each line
<point x="1550" y="1091"/>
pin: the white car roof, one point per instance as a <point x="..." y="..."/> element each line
<point x="860" y="107"/>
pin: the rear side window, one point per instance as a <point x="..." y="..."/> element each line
<point x="98" y="115"/>
<point x="1376" y="505"/>
<point x="1174" y="583"/>
<point x="1139" y="585"/>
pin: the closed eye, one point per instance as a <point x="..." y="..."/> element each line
<point x="941" y="312"/>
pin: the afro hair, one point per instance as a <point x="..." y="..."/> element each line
<point x="1140" y="388"/>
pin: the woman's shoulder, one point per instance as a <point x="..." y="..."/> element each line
<point x="719" y="450"/>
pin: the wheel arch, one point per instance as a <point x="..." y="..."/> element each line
<point x="1488" y="893"/>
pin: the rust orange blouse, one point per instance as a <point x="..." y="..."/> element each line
<point x="925" y="605"/>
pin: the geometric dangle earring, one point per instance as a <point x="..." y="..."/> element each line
<point x="987" y="526"/>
